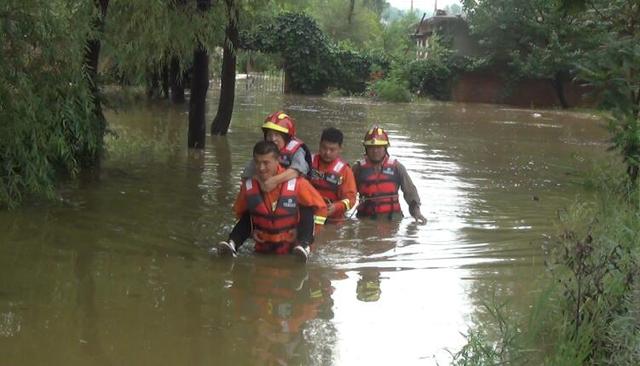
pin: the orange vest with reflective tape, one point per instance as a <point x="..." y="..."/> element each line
<point x="378" y="188"/>
<point x="274" y="231"/>
<point x="327" y="182"/>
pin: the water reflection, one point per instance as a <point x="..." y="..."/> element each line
<point x="278" y="299"/>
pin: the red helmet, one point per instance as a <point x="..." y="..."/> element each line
<point x="281" y="122"/>
<point x="376" y="136"/>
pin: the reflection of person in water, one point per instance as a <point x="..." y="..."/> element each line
<point x="368" y="288"/>
<point x="379" y="241"/>
<point x="278" y="300"/>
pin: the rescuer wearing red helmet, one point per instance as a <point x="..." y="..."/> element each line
<point x="379" y="177"/>
<point x="295" y="157"/>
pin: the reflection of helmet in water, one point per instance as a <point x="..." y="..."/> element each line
<point x="368" y="288"/>
<point x="281" y="122"/>
<point x="376" y="136"/>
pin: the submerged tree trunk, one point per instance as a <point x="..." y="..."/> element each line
<point x="92" y="56"/>
<point x="197" y="107"/>
<point x="175" y="80"/>
<point x="165" y="81"/>
<point x="91" y="59"/>
<point x="176" y="75"/>
<point x="221" y="122"/>
<point x="558" y="86"/>
<point x="352" y="5"/>
<point x="199" y="85"/>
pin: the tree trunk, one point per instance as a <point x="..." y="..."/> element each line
<point x="175" y="80"/>
<point x="558" y="86"/>
<point x="352" y="5"/>
<point x="92" y="56"/>
<point x="165" y="81"/>
<point x="153" y="83"/>
<point x="221" y="122"/>
<point x="91" y="59"/>
<point x="199" y="86"/>
<point x="197" y="107"/>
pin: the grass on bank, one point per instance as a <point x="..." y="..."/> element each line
<point x="589" y="313"/>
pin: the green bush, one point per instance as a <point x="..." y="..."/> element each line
<point x="48" y="125"/>
<point x="391" y="90"/>
<point x="313" y="63"/>
<point x="588" y="314"/>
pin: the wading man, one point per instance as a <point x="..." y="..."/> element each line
<point x="332" y="176"/>
<point x="379" y="177"/>
<point x="277" y="216"/>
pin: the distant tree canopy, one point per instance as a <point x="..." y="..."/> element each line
<point x="312" y="62"/>
<point x="595" y="41"/>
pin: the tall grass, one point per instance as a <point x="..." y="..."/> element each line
<point x="589" y="314"/>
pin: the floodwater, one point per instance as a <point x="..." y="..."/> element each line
<point x="119" y="271"/>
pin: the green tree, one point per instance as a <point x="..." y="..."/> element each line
<point x="362" y="27"/>
<point x="49" y="121"/>
<point x="613" y="68"/>
<point x="534" y="38"/>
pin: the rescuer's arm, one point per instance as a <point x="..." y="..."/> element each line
<point x="309" y="197"/>
<point x="240" y="205"/>
<point x="346" y="194"/>
<point x="410" y="193"/>
<point x="297" y="168"/>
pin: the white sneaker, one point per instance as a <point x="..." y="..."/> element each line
<point x="227" y="248"/>
<point x="301" y="253"/>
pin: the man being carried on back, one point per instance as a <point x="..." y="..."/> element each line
<point x="332" y="176"/>
<point x="277" y="222"/>
<point x="379" y="177"/>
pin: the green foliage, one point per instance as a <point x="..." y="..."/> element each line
<point x="395" y="40"/>
<point x="613" y="68"/>
<point x="392" y="90"/>
<point x="588" y="314"/>
<point x="352" y="69"/>
<point x="596" y="263"/>
<point x="431" y="76"/>
<point x="365" y="29"/>
<point x="303" y="47"/>
<point x="48" y="125"/>
<point x="313" y="63"/>
<point x="257" y="61"/>
<point x="141" y="36"/>
<point x="566" y="39"/>
<point x="535" y="39"/>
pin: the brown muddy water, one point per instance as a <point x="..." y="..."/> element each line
<point x="119" y="273"/>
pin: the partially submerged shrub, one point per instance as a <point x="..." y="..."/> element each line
<point x="391" y="90"/>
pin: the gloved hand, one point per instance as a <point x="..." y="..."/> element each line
<point x="414" y="210"/>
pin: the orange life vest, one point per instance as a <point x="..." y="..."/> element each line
<point x="378" y="188"/>
<point x="274" y="231"/>
<point x="327" y="182"/>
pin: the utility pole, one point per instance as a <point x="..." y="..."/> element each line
<point x="435" y="8"/>
<point x="412" y="6"/>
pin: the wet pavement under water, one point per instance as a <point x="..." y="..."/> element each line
<point x="119" y="273"/>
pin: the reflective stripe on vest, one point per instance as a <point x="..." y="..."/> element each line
<point x="327" y="182"/>
<point x="286" y="153"/>
<point x="274" y="230"/>
<point x="384" y="184"/>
